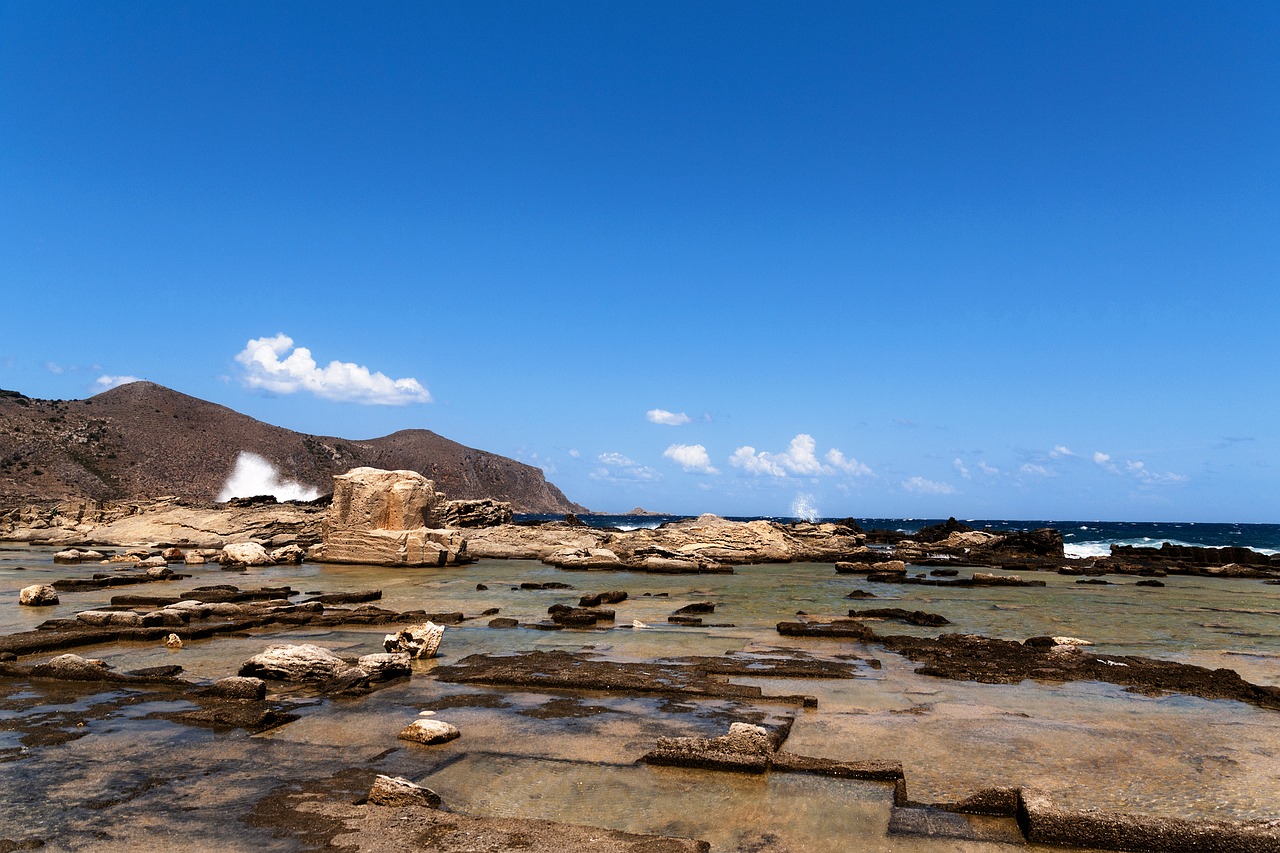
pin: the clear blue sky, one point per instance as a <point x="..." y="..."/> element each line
<point x="1004" y="259"/>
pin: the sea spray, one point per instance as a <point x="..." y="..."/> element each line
<point x="253" y="476"/>
<point x="803" y="507"/>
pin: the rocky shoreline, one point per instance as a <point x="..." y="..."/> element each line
<point x="397" y="519"/>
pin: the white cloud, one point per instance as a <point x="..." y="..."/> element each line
<point x="340" y="381"/>
<point x="691" y="457"/>
<point x="927" y="487"/>
<point x="958" y="464"/>
<point x="662" y="416"/>
<point x="253" y="476"/>
<point x="1060" y="452"/>
<point x="103" y="383"/>
<point x="1139" y="471"/>
<point x="54" y="368"/>
<point x="1035" y="470"/>
<point x="800" y="458"/>
<point x="615" y="467"/>
<point x="989" y="470"/>
<point x="849" y="465"/>
<point x="574" y="453"/>
<point x="748" y="460"/>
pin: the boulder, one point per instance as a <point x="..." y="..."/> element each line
<point x="110" y="618"/>
<point x="194" y="560"/>
<point x="429" y="731"/>
<point x="303" y="662"/>
<point x="385" y="666"/>
<point x="245" y="554"/>
<point x="398" y="792"/>
<point x="161" y="572"/>
<point x="584" y="559"/>
<point x="38" y="595"/>
<point x="417" y="641"/>
<point x="72" y="668"/>
<point x="288" y="554"/>
<point x="153" y="563"/>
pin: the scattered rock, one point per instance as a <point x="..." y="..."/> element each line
<point x="397" y="792"/>
<point x="38" y="595"/>
<point x="504" y="622"/>
<point x="429" y="730"/>
<point x="173" y="641"/>
<point x="245" y="554"/>
<point x="418" y="641"/>
<point x="303" y="662"/>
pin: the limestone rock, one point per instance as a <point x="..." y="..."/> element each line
<point x="71" y="667"/>
<point x="398" y="792"/>
<point x="288" y="554"/>
<point x="38" y="595"/>
<point x="194" y="560"/>
<point x="245" y="554"/>
<point x="153" y="563"/>
<point x="476" y="513"/>
<point x="173" y="641"/>
<point x="383" y="667"/>
<point x="110" y="618"/>
<point x="237" y="687"/>
<point x="374" y="499"/>
<point x="417" y="641"/>
<point x="304" y="662"/>
<point x="429" y="731"/>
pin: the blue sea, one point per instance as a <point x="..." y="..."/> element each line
<point x="1080" y="538"/>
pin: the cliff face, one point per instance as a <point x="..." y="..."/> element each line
<point x="143" y="440"/>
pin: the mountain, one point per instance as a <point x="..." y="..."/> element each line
<point x="143" y="440"/>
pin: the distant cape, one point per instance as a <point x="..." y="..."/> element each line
<point x="142" y="440"/>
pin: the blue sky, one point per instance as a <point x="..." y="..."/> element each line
<point x="906" y="259"/>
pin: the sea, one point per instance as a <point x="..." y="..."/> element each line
<point x="1080" y="539"/>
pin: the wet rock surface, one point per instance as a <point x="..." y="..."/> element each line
<point x="974" y="658"/>
<point x="696" y="676"/>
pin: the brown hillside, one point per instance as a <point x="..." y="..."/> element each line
<point x="143" y="440"/>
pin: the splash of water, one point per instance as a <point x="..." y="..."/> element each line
<point x="254" y="476"/>
<point x="803" y="507"/>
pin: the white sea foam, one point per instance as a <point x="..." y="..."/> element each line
<point x="254" y="476"/>
<point x="1102" y="548"/>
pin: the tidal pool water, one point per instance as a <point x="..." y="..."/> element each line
<point x="108" y="776"/>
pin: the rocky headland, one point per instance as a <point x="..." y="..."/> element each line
<point x="141" y="440"/>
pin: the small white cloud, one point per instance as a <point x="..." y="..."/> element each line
<point x="574" y="453"/>
<point x="958" y="464"/>
<point x="54" y="368"/>
<point x="1060" y="452"/>
<point x="691" y="457"/>
<point x="340" y="381"/>
<point x="847" y="464"/>
<point x="1035" y="470"/>
<point x="662" y="416"/>
<point x="922" y="486"/>
<point x="615" y="467"/>
<point x="989" y="470"/>
<point x="102" y="383"/>
<point x="253" y="476"/>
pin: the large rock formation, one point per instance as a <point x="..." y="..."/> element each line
<point x="387" y="518"/>
<point x="706" y="543"/>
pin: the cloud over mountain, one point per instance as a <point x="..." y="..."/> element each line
<point x="340" y="381"/>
